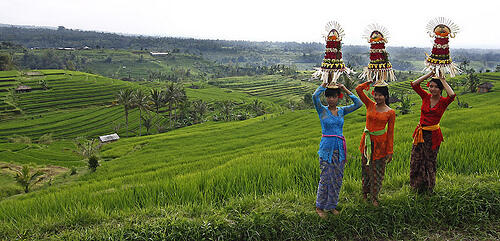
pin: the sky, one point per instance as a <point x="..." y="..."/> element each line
<point x="265" y="20"/>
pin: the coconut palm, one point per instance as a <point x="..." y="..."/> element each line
<point x="141" y="101"/>
<point x="174" y="94"/>
<point x="257" y="107"/>
<point x="226" y="109"/>
<point x="148" y="123"/>
<point x="26" y="178"/>
<point x="126" y="98"/>
<point x="158" y="99"/>
<point x="200" y="107"/>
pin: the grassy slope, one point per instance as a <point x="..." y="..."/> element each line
<point x="78" y="104"/>
<point x="256" y="179"/>
<point x="284" y="88"/>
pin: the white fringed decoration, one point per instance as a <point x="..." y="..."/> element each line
<point x="323" y="74"/>
<point x="376" y="27"/>
<point x="378" y="76"/>
<point x="454" y="29"/>
<point x="441" y="69"/>
<point x="331" y="26"/>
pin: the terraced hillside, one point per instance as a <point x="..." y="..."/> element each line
<point x="8" y="82"/>
<point x="80" y="104"/>
<point x="256" y="180"/>
<point x="283" y="88"/>
<point x="66" y="90"/>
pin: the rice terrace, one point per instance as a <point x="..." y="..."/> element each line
<point x="218" y="140"/>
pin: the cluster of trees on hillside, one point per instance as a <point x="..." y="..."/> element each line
<point x="229" y="52"/>
<point x="169" y="108"/>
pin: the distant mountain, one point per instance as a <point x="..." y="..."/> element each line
<point x="303" y="55"/>
<point x="25" y="26"/>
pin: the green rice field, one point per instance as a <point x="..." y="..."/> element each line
<point x="257" y="179"/>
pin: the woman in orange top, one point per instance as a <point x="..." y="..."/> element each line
<point x="376" y="143"/>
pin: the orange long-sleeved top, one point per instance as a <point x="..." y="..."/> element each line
<point x="375" y="121"/>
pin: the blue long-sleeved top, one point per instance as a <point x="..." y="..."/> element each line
<point x="332" y="125"/>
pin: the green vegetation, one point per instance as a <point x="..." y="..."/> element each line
<point x="284" y="88"/>
<point x="242" y="53"/>
<point x="256" y="179"/>
<point x="26" y="178"/>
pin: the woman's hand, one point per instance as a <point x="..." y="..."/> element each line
<point x="424" y="77"/>
<point x="324" y="84"/>
<point x="344" y="89"/>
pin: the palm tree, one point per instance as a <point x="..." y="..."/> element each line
<point x="179" y="98"/>
<point x="125" y="97"/>
<point x="148" y="123"/>
<point x="200" y="108"/>
<point x="226" y="109"/>
<point x="27" y="179"/>
<point x="258" y="107"/>
<point x="173" y="95"/>
<point x="141" y="101"/>
<point x="158" y="99"/>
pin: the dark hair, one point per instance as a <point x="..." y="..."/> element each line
<point x="332" y="92"/>
<point x="438" y="82"/>
<point x="384" y="91"/>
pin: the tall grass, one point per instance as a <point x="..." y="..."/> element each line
<point x="256" y="179"/>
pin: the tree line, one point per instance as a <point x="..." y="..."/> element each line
<point x="226" y="51"/>
<point x="169" y="108"/>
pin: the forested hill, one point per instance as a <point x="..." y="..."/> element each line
<point x="303" y="55"/>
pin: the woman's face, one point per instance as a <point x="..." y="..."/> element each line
<point x="434" y="89"/>
<point x="332" y="100"/>
<point x="379" y="97"/>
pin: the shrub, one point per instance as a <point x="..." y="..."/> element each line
<point x="93" y="163"/>
<point x="46" y="139"/>
<point x="20" y="139"/>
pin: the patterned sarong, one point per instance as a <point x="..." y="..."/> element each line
<point x="330" y="182"/>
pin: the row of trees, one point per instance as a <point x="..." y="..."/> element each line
<point x="169" y="108"/>
<point x="171" y="96"/>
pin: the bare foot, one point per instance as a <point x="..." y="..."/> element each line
<point x="335" y="211"/>
<point x="375" y="203"/>
<point x="322" y="214"/>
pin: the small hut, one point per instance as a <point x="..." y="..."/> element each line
<point x="109" y="138"/>
<point x="23" y="88"/>
<point x="158" y="53"/>
<point x="484" y="87"/>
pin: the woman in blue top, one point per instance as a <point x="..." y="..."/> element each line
<point x="332" y="148"/>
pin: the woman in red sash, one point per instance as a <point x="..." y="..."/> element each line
<point x="427" y="136"/>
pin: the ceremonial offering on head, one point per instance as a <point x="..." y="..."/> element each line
<point x="379" y="70"/>
<point x="441" y="29"/>
<point x="332" y="66"/>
